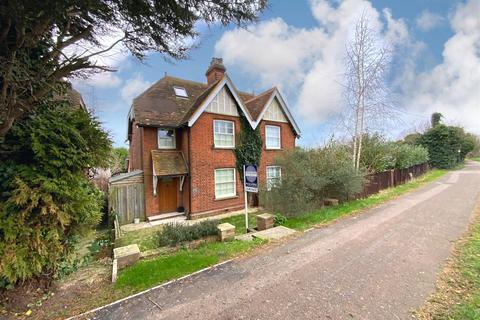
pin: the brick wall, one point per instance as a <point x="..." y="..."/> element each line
<point x="287" y="140"/>
<point x="135" y="149"/>
<point x="205" y="159"/>
<point x="149" y="143"/>
<point x="182" y="144"/>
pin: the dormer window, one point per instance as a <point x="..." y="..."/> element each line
<point x="180" y="92"/>
<point x="166" y="139"/>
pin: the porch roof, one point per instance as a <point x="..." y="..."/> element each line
<point x="168" y="163"/>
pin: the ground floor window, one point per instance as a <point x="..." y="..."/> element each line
<point x="225" y="183"/>
<point x="274" y="175"/>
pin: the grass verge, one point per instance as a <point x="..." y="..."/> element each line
<point x="147" y="273"/>
<point x="457" y="295"/>
<point x="476" y="159"/>
<point x="324" y="215"/>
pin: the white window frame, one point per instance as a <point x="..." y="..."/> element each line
<point x="226" y="196"/>
<point x="233" y="134"/>
<point x="279" y="138"/>
<point x="269" y="183"/>
<point x="174" y="139"/>
<point x="179" y="92"/>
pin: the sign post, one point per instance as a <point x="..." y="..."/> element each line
<point x="250" y="184"/>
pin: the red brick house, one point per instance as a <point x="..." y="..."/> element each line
<point x="182" y="136"/>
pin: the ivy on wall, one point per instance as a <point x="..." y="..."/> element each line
<point x="249" y="146"/>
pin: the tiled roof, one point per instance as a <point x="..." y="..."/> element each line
<point x="256" y="104"/>
<point x="158" y="106"/>
<point x="168" y="163"/>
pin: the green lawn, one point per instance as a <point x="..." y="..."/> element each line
<point x="458" y="293"/>
<point x="324" y="215"/>
<point x="147" y="273"/>
<point x="239" y="221"/>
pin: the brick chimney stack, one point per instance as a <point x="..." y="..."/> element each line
<point x="215" y="71"/>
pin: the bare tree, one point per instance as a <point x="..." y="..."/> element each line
<point x="368" y="99"/>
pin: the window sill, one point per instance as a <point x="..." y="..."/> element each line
<point x="273" y="149"/>
<point x="223" y="148"/>
<point x="226" y="198"/>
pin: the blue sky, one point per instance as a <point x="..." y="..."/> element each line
<point x="296" y="45"/>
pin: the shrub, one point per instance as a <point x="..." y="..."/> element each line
<point x="176" y="233"/>
<point x="310" y="176"/>
<point x="279" y="220"/>
<point x="377" y="154"/>
<point x="446" y="145"/>
<point x="407" y="156"/>
<point x="46" y="199"/>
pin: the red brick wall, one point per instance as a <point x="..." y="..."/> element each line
<point x="149" y="143"/>
<point x="287" y="141"/>
<point x="205" y="159"/>
<point x="182" y="138"/>
<point x="135" y="149"/>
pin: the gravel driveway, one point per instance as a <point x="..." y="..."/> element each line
<point x="378" y="265"/>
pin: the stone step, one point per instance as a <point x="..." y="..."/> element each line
<point x="164" y="216"/>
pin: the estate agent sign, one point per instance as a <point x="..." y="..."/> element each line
<point x="250" y="184"/>
<point x="251" y="178"/>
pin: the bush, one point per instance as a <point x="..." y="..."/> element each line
<point x="310" y="176"/>
<point x="446" y="145"/>
<point x="46" y="199"/>
<point x="279" y="220"/>
<point x="176" y="233"/>
<point x="377" y="154"/>
<point x="407" y="156"/>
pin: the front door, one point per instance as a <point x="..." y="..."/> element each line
<point x="167" y="195"/>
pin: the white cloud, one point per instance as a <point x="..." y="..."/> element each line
<point x="133" y="87"/>
<point x="427" y="20"/>
<point x="452" y="87"/>
<point x="102" y="80"/>
<point x="306" y="61"/>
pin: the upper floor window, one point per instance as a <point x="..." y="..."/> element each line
<point x="166" y="139"/>
<point x="223" y="134"/>
<point x="272" y="137"/>
<point x="274" y="176"/>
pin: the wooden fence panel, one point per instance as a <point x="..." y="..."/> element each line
<point x="391" y="178"/>
<point x="127" y="201"/>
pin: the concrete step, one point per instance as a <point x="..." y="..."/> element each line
<point x="164" y="216"/>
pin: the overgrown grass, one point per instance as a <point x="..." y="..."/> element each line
<point x="458" y="291"/>
<point x="468" y="264"/>
<point x="330" y="213"/>
<point x="147" y="273"/>
<point x="146" y="239"/>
